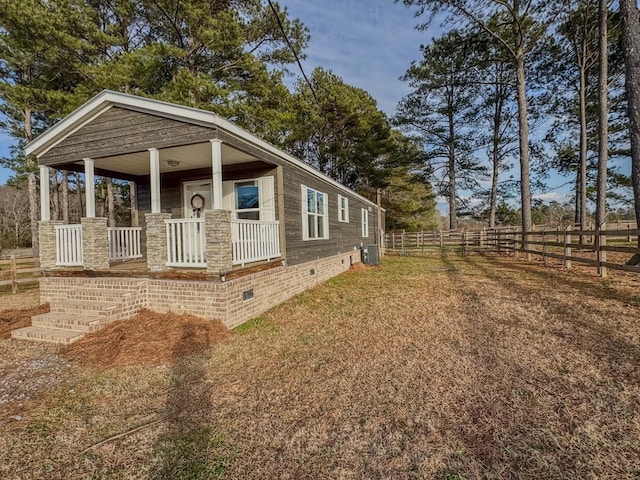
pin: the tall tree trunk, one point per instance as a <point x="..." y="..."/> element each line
<point x="111" y="204"/>
<point x="523" y="130"/>
<point x="603" y="117"/>
<point x="577" y="214"/>
<point x="133" y="197"/>
<point x="495" y="154"/>
<point x="493" y="201"/>
<point x="33" y="189"/>
<point x="582" y="168"/>
<point x="631" y="46"/>
<point x="453" y="214"/>
<point x="64" y="185"/>
<point x="33" y="214"/>
<point x="55" y="195"/>
<point x="79" y="193"/>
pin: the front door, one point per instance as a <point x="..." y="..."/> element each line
<point x="197" y="199"/>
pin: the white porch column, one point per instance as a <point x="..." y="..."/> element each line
<point x="154" y="169"/>
<point x="45" y="208"/>
<point x="90" y="187"/>
<point x="216" y="172"/>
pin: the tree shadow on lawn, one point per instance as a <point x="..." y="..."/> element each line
<point x="597" y="339"/>
<point x="190" y="446"/>
<point x="595" y="287"/>
<point x="520" y="414"/>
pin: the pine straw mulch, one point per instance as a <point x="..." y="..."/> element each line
<point x="148" y="338"/>
<point x="18" y="318"/>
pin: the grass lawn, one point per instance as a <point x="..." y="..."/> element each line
<point x="441" y="367"/>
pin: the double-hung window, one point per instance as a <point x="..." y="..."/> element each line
<point x="365" y="223"/>
<point x="247" y="200"/>
<point x="343" y="209"/>
<point x="315" y="218"/>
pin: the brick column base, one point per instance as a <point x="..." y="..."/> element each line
<point x="218" y="233"/>
<point x="95" y="243"/>
<point x="48" y="247"/>
<point x="156" y="241"/>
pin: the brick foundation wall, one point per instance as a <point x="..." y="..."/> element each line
<point x="210" y="300"/>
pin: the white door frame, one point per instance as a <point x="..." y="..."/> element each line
<point x="187" y="211"/>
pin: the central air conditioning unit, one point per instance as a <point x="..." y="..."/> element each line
<point x="370" y="255"/>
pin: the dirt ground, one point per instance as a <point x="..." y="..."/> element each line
<point x="441" y="367"/>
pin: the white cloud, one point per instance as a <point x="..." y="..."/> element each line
<point x="553" y="197"/>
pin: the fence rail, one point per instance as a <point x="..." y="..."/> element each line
<point x="18" y="271"/>
<point x="567" y="244"/>
<point x="186" y="243"/>
<point x="69" y="245"/>
<point x="124" y="243"/>
<point x="254" y="240"/>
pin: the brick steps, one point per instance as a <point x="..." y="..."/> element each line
<point x="63" y="321"/>
<point x="50" y="335"/>
<point x="97" y="308"/>
<point x="78" y="311"/>
<point x="98" y="294"/>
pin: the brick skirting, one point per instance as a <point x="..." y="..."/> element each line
<point x="233" y="302"/>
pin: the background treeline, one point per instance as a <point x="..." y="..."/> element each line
<point x="512" y="91"/>
<point x="230" y="57"/>
<point x="509" y="92"/>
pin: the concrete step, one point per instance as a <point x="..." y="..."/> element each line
<point x="83" y="307"/>
<point x="65" y="321"/>
<point x="50" y="335"/>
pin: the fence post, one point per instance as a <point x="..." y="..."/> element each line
<point x="422" y="239"/>
<point x="629" y="235"/>
<point x="464" y="242"/>
<point x="601" y="241"/>
<point x="567" y="247"/>
<point x="14" y="275"/>
<point x="544" y="248"/>
<point x="402" y="243"/>
<point x="441" y="239"/>
<point x="393" y="242"/>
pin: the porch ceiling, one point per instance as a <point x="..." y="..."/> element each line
<point x="189" y="157"/>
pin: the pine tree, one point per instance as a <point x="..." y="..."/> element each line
<point x="441" y="110"/>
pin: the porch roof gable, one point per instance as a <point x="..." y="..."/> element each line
<point x="107" y="99"/>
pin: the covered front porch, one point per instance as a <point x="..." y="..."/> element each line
<point x="204" y="207"/>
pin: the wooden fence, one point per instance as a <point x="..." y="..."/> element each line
<point x="589" y="247"/>
<point x="15" y="272"/>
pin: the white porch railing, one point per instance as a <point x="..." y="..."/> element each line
<point x="69" y="245"/>
<point x="186" y="242"/>
<point x="254" y="240"/>
<point x="124" y="242"/>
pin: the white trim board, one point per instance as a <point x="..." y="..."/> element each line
<point x="107" y="98"/>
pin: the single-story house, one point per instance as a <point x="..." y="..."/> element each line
<point x="230" y="225"/>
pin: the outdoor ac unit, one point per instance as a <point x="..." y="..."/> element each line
<point x="370" y="255"/>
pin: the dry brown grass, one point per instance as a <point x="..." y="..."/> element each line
<point x="440" y="367"/>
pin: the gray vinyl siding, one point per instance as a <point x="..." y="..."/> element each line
<point x="119" y="131"/>
<point x="171" y="185"/>
<point x="343" y="237"/>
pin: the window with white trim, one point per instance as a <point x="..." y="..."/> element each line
<point x="247" y="200"/>
<point x="343" y="209"/>
<point x="315" y="218"/>
<point x="365" y="223"/>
